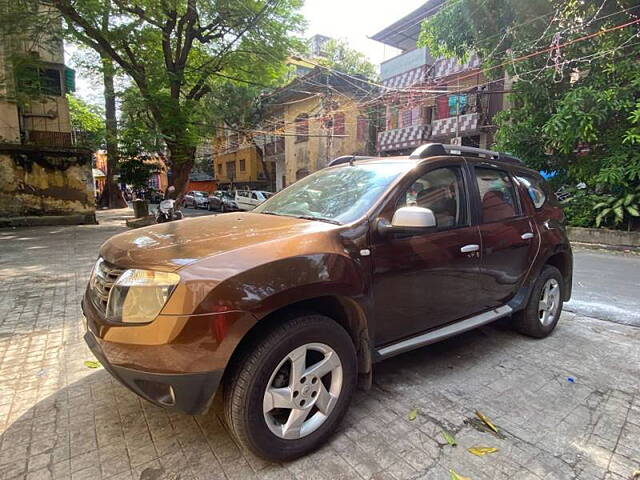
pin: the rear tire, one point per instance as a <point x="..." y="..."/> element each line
<point x="543" y="310"/>
<point x="288" y="393"/>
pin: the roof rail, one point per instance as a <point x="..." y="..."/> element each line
<point x="346" y="159"/>
<point x="437" y="149"/>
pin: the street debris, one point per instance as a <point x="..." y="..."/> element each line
<point x="486" y="421"/>
<point x="571" y="380"/>
<point x="480" y="451"/>
<point x="413" y="414"/>
<point x="454" y="476"/>
<point x="636" y="475"/>
<point x="91" y="364"/>
<point x="480" y="426"/>
<point x="41" y="372"/>
<point x="449" y="438"/>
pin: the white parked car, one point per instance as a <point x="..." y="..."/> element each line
<point x="250" y="199"/>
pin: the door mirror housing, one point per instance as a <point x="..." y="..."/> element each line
<point x="408" y="220"/>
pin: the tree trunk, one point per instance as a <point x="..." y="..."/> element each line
<point x="263" y="163"/>
<point x="182" y="159"/>
<point x="111" y="195"/>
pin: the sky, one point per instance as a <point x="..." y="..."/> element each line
<point x="352" y="20"/>
<point x="356" y="20"/>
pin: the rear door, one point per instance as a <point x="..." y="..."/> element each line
<point x="242" y="200"/>
<point x="509" y="237"/>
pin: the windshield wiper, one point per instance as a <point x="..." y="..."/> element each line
<point x="319" y="219"/>
<point x="303" y="217"/>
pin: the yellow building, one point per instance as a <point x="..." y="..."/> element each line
<point x="323" y="116"/>
<point x="41" y="174"/>
<point x="238" y="164"/>
<point x="35" y="70"/>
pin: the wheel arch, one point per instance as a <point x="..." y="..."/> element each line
<point x="563" y="261"/>
<point x="342" y="309"/>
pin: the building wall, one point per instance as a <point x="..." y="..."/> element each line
<point x="40" y="173"/>
<point x="46" y="120"/>
<point x="304" y="156"/>
<point x="202" y="186"/>
<point x="247" y="155"/>
<point x="37" y="183"/>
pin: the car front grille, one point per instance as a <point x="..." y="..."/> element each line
<point x="105" y="275"/>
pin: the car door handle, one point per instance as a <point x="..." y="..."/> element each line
<point x="470" y="248"/>
<point x="526" y="236"/>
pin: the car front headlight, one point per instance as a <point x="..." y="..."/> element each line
<point x="139" y="295"/>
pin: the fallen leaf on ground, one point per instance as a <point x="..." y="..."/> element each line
<point x="413" y="414"/>
<point x="635" y="475"/>
<point x="454" y="476"/>
<point x="480" y="451"/>
<point x="480" y="426"/>
<point x="486" y="421"/>
<point x="91" y="364"/>
<point x="449" y="438"/>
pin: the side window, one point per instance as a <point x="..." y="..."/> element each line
<point x="497" y="195"/>
<point x="442" y="191"/>
<point x="535" y="188"/>
<point x="254" y="196"/>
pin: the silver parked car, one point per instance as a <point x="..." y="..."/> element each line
<point x="196" y="199"/>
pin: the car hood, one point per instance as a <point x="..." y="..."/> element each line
<point x="170" y="246"/>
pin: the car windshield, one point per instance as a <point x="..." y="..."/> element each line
<point x="335" y="195"/>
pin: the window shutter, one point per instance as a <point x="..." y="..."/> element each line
<point x="69" y="80"/>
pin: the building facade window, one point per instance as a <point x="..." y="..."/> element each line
<point x="339" y="124"/>
<point x="392" y="118"/>
<point x="220" y="169"/>
<point x="231" y="170"/>
<point x="363" y="126"/>
<point x="243" y="165"/>
<point x="302" y="127"/>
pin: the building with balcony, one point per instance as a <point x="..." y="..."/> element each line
<point x="315" y="119"/>
<point x="432" y="99"/>
<point x="42" y="173"/>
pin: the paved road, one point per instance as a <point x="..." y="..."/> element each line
<point x="606" y="285"/>
<point x="567" y="408"/>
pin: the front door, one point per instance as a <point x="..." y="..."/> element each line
<point x="426" y="280"/>
<point x="509" y="237"/>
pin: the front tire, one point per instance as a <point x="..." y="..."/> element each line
<point x="543" y="310"/>
<point x="286" y="396"/>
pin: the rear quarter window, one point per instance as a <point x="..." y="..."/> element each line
<point x="535" y="188"/>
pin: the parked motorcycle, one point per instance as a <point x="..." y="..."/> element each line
<point x="167" y="212"/>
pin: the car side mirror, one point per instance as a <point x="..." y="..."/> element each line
<point x="408" y="220"/>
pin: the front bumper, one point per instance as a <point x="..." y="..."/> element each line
<point x="190" y="393"/>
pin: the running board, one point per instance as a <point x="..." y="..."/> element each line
<point x="443" y="332"/>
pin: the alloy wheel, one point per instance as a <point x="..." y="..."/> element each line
<point x="549" y="302"/>
<point x="303" y="391"/>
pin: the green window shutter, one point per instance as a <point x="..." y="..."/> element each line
<point x="69" y="80"/>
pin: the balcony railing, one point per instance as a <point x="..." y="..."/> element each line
<point x="451" y="126"/>
<point x="444" y="67"/>
<point x="402" y="138"/>
<point x="50" y="139"/>
<point x="406" y="69"/>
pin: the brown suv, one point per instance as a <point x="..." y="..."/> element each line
<point x="283" y="309"/>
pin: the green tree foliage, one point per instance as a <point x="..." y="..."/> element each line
<point x="341" y="57"/>
<point x="136" y="171"/>
<point x="574" y="107"/>
<point x="175" y="52"/>
<point x="87" y="122"/>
